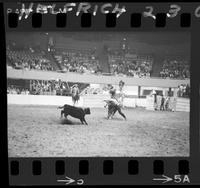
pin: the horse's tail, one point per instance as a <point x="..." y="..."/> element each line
<point x="60" y="107"/>
<point x="106" y="101"/>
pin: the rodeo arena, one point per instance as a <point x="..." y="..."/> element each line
<point x="76" y="94"/>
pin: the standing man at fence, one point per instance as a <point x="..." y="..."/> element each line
<point x="162" y="103"/>
<point x="167" y="101"/>
<point x="155" y="99"/>
<point x="174" y="99"/>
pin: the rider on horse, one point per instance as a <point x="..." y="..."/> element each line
<point x="115" y="103"/>
<point x="75" y="94"/>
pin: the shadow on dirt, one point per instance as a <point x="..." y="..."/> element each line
<point x="69" y="122"/>
<point x="114" y="118"/>
<point x="66" y="121"/>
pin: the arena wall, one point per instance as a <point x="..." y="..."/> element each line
<point x="181" y="104"/>
<point x="40" y="100"/>
<point x="89" y="100"/>
<point x="150" y="103"/>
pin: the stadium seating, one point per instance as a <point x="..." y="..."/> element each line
<point x="80" y="62"/>
<point x="88" y="63"/>
<point x="28" y="60"/>
<point x="175" y="69"/>
<point x="120" y="65"/>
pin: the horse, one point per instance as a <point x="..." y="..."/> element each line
<point x="75" y="95"/>
<point x="113" y="107"/>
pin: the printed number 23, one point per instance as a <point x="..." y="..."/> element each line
<point x="173" y="12"/>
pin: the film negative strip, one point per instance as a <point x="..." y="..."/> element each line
<point x="101" y="93"/>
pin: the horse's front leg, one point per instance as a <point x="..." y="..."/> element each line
<point x="73" y="101"/>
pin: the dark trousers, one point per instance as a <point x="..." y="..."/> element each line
<point x="112" y="109"/>
<point x="162" y="106"/>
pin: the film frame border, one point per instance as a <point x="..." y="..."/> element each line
<point x="143" y="162"/>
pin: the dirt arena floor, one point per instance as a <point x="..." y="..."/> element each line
<point x="38" y="131"/>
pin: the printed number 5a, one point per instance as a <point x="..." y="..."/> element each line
<point x="181" y="179"/>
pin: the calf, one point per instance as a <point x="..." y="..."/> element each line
<point x="75" y="112"/>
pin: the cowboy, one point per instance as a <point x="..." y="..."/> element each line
<point x="155" y="99"/>
<point x="75" y="94"/>
<point x="114" y="105"/>
<point x="162" y="107"/>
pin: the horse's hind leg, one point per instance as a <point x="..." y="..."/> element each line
<point x="61" y="113"/>
<point x="109" y="114"/>
<point x="120" y="112"/>
<point x="73" y="101"/>
<point x="76" y="102"/>
<point x="109" y="111"/>
<point x="113" y="112"/>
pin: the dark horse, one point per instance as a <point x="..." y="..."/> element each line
<point x="113" y="108"/>
<point x="75" y="98"/>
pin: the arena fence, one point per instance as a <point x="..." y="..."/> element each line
<point x="40" y="100"/>
<point x="183" y="105"/>
<point x="88" y="100"/>
<point x="180" y="104"/>
<point x="177" y="104"/>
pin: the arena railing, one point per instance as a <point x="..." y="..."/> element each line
<point x="110" y="74"/>
<point x="105" y="74"/>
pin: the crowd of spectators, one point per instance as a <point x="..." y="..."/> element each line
<point x="81" y="62"/>
<point x="46" y="87"/>
<point x="93" y="91"/>
<point x="53" y="87"/>
<point x="22" y="59"/>
<point x="87" y="62"/>
<point x="175" y="69"/>
<point x="40" y="87"/>
<point x="133" y="68"/>
<point x="17" y="90"/>
<point x="49" y="87"/>
<point x="183" y="91"/>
